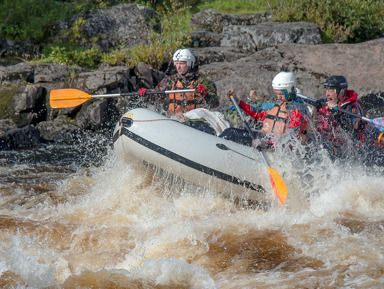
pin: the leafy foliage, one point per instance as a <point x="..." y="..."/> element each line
<point x="90" y="58"/>
<point x="340" y="20"/>
<point x="28" y="19"/>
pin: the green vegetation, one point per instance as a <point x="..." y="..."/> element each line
<point x="347" y="21"/>
<point x="7" y="91"/>
<point x="32" y="19"/>
<point x="175" y="34"/>
<point x="28" y="19"/>
<point x="241" y="6"/>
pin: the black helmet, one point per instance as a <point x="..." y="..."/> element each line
<point x="336" y="81"/>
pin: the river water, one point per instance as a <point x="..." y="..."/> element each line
<point x="72" y="220"/>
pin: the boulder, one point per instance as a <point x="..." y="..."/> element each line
<point x="204" y="38"/>
<point x="29" y="105"/>
<point x="109" y="28"/>
<point x="104" y="79"/>
<point x="6" y="125"/>
<point x="213" y="21"/>
<point x="51" y="72"/>
<point x="360" y="63"/>
<point x="59" y="131"/>
<point x="207" y="55"/>
<point x="20" y="72"/>
<point x="98" y="114"/>
<point x="257" y="37"/>
<point x="25" y="49"/>
<point x="20" y="138"/>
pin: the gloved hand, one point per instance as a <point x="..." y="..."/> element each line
<point x="319" y="103"/>
<point x="331" y="105"/>
<point x="258" y="143"/>
<point x="200" y="89"/>
<point x="232" y="93"/>
<point x="142" y="91"/>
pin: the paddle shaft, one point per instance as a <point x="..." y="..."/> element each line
<point x="335" y="108"/>
<point x="71" y="97"/>
<point x="247" y="127"/>
<point x="147" y="93"/>
<point x="278" y="184"/>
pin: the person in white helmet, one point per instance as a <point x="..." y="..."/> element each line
<point x="287" y="113"/>
<point x="187" y="76"/>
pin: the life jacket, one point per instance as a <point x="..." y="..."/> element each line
<point x="351" y="100"/>
<point x="280" y="118"/>
<point x="183" y="102"/>
<point x="327" y="123"/>
<point x="276" y="120"/>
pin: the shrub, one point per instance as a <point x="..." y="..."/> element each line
<point x="29" y="19"/>
<point x="340" y="20"/>
<point x="115" y="57"/>
<point x="90" y="58"/>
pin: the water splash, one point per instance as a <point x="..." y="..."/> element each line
<point x="130" y="225"/>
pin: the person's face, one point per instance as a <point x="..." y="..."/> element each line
<point x="330" y="94"/>
<point x="279" y="94"/>
<point x="181" y="67"/>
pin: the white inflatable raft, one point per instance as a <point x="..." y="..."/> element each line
<point x="206" y="160"/>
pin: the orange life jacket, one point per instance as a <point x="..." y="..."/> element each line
<point x="183" y="102"/>
<point x="276" y="120"/>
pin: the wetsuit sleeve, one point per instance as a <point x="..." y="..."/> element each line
<point x="212" y="98"/>
<point x="256" y="114"/>
<point x="296" y="118"/>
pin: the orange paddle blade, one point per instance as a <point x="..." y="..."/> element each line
<point x="278" y="185"/>
<point x="69" y="97"/>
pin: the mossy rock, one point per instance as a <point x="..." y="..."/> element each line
<point x="7" y="92"/>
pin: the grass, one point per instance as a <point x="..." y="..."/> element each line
<point x="245" y="6"/>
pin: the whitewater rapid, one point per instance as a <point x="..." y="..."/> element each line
<point x="119" y="225"/>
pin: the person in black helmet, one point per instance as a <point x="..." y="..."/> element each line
<point x="336" y="127"/>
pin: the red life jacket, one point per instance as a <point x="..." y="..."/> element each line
<point x="327" y="123"/>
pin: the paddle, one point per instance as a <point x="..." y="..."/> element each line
<point x="377" y="122"/>
<point x="70" y="97"/>
<point x="278" y="184"/>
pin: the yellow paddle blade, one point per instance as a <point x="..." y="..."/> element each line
<point x="68" y="97"/>
<point x="278" y="185"/>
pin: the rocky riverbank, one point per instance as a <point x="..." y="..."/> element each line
<point x="238" y="52"/>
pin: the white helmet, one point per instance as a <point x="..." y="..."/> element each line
<point x="284" y="80"/>
<point x="184" y="55"/>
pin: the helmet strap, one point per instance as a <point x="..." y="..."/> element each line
<point x="340" y="92"/>
<point x="291" y="95"/>
<point x="286" y="94"/>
